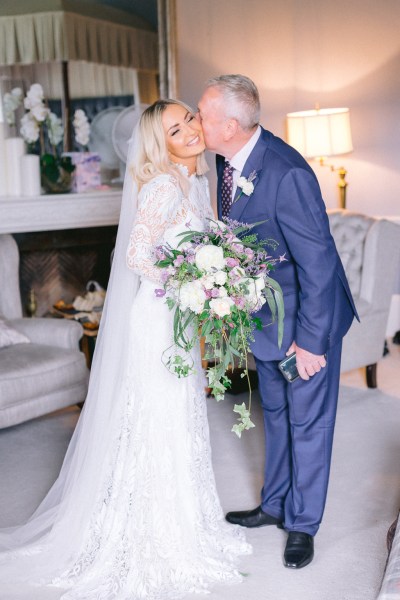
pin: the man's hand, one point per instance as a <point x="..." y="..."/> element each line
<point x="307" y="363"/>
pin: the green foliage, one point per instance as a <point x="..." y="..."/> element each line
<point x="50" y="166"/>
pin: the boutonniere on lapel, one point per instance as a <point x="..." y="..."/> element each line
<point x="246" y="185"/>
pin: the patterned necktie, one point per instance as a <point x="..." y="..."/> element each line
<point x="226" y="189"/>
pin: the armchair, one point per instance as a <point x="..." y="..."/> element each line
<point x="49" y="372"/>
<point x="370" y="252"/>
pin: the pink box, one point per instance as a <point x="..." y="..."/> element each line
<point x="87" y="175"/>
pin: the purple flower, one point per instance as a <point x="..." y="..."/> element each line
<point x="229" y="237"/>
<point x="215" y="293"/>
<point x="249" y="253"/>
<point x="239" y="302"/>
<point x="232" y="262"/>
<point x="164" y="275"/>
<point x="159" y="293"/>
<point x="160" y="253"/>
<point x="237" y="248"/>
<point x="179" y="260"/>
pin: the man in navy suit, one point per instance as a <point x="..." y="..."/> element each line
<point x="299" y="417"/>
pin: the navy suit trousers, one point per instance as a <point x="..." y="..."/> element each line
<point x="299" y="420"/>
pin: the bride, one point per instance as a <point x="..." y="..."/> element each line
<point x="134" y="512"/>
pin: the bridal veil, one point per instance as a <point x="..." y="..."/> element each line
<point x="52" y="533"/>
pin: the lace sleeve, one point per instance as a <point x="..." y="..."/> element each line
<point x="157" y="203"/>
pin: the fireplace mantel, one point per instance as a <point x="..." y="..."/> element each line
<point x="52" y="212"/>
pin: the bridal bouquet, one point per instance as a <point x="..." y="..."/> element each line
<point x="216" y="280"/>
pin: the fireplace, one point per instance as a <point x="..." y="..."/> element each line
<point x="58" y="264"/>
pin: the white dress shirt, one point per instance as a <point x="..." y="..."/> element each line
<point x="239" y="159"/>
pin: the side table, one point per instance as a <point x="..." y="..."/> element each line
<point x="90" y="331"/>
<point x="88" y="343"/>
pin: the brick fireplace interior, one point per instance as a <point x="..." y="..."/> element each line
<point x="58" y="264"/>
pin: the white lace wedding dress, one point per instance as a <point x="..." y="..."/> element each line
<point x="156" y="529"/>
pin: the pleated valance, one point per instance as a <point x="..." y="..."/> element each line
<point x="64" y="36"/>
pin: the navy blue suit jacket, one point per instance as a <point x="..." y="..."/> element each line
<point x="319" y="307"/>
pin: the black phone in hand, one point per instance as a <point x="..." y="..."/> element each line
<point x="288" y="368"/>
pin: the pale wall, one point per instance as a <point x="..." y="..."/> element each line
<point x="299" y="52"/>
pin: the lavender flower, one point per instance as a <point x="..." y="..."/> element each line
<point x="179" y="260"/>
<point x="232" y="262"/>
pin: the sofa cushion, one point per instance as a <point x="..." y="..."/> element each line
<point x="31" y="370"/>
<point x="10" y="336"/>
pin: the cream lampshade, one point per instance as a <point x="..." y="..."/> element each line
<point x="320" y="133"/>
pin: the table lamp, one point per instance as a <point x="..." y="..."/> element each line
<point x="320" y="133"/>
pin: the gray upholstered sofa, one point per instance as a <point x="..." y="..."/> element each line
<point x="370" y="252"/>
<point x="49" y="372"/>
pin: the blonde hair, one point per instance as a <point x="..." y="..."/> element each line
<point x="152" y="155"/>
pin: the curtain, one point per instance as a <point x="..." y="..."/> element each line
<point x="86" y="80"/>
<point x="63" y="36"/>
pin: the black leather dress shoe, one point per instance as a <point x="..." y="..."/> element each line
<point x="253" y="518"/>
<point x="299" y="550"/>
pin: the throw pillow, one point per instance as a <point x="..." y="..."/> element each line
<point x="10" y="336"/>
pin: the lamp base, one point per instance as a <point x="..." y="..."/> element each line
<point x="342" y="183"/>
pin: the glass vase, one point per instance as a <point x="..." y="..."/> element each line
<point x="56" y="174"/>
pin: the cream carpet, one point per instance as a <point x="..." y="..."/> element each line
<point x="363" y="497"/>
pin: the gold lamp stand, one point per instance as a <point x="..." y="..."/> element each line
<point x="342" y="183"/>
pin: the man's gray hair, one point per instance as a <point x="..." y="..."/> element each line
<point x="242" y="101"/>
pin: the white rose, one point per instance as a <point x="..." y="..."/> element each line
<point x="192" y="296"/>
<point x="207" y="281"/>
<point x="222" y="292"/>
<point x="220" y="277"/>
<point x="210" y="257"/>
<point x="237" y="272"/>
<point x="261" y="301"/>
<point x="247" y="186"/>
<point x="221" y="306"/>
<point x="251" y="287"/>
<point x="251" y="293"/>
<point x="260" y="283"/>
